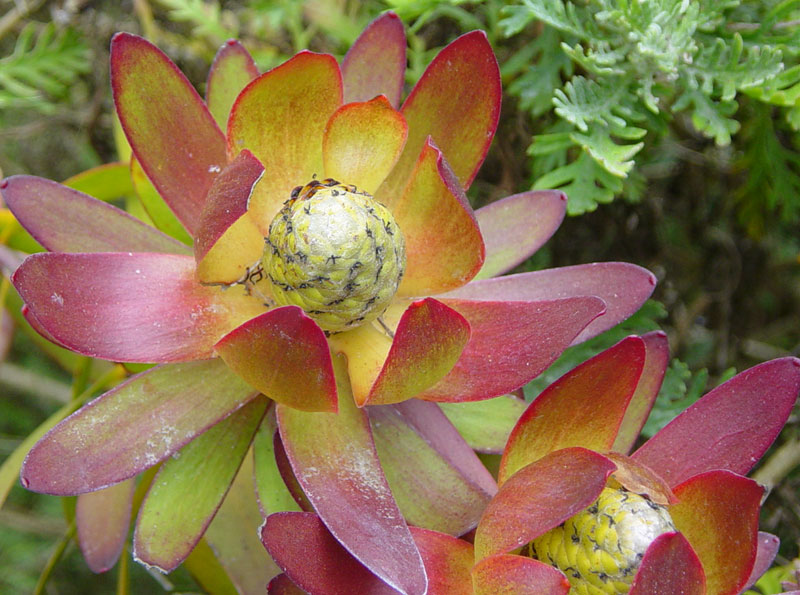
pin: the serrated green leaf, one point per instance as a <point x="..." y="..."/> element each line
<point x="41" y="67"/>
<point x="616" y="159"/>
<point x="567" y="17"/>
<point x="585" y="183"/>
<point x="583" y="101"/>
<point x="710" y="117"/>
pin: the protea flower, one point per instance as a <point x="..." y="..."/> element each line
<point x="322" y="222"/>
<point x="574" y="513"/>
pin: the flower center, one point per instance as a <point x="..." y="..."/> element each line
<point x="335" y="252"/>
<point x="601" y="548"/>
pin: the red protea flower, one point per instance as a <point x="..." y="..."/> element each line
<point x="575" y="513"/>
<point x="322" y="220"/>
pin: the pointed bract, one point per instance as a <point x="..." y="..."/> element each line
<point x="447" y="561"/>
<point x="585" y="407"/>
<point x="132" y="427"/>
<point x="669" y="567"/>
<point x="457" y="103"/>
<point x="284" y="354"/>
<point x="376" y="63"/>
<point x="729" y="428"/>
<point x="515" y="227"/>
<point x="505" y="334"/>
<point x="65" y="220"/>
<point x="334" y="459"/>
<point x="655" y="366"/>
<point x="539" y="497"/>
<point x="167" y="124"/>
<point x="362" y="142"/>
<point x="428" y="341"/>
<point x="717" y="512"/>
<point x="130" y="307"/>
<point x="280" y="117"/>
<point x="229" y="242"/>
<point x="444" y="248"/>
<point x="233" y="68"/>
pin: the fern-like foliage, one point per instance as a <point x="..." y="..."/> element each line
<point x="204" y="17"/>
<point x="40" y="69"/>
<point x="644" y="61"/>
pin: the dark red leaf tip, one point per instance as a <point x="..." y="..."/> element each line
<point x="3" y="183"/>
<point x="231" y="42"/>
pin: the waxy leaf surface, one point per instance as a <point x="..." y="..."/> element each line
<point x="362" y="142"/>
<point x="284" y="354"/>
<point x="669" y="567"/>
<point x="515" y="227"/>
<point x="622" y="286"/>
<point x="655" y="366"/>
<point x="438" y="481"/>
<point x="427" y="343"/>
<point x="334" y="459"/>
<point x="507" y="574"/>
<point x="189" y="487"/>
<point x="582" y="408"/>
<point x="376" y="63"/>
<point x="306" y="551"/>
<point x="730" y="427"/>
<point x="132" y="427"/>
<point x="539" y="497"/>
<point x="102" y="519"/>
<point x="444" y="248"/>
<point x="504" y="334"/>
<point x="280" y="117"/>
<point x="718" y="513"/>
<point x="132" y="307"/>
<point x="457" y="103"/>
<point x="228" y="241"/>
<point x="233" y="68"/>
<point x="233" y="539"/>
<point x="168" y="126"/>
<point x="65" y="220"/>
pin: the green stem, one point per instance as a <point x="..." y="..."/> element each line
<point x="53" y="560"/>
<point x="780" y="463"/>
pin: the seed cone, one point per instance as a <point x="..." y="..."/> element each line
<point x="601" y="548"/>
<point x="335" y="252"/>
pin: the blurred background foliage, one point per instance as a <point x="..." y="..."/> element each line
<point x="673" y="126"/>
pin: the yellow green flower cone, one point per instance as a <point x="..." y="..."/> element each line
<point x="601" y="548"/>
<point x="336" y="253"/>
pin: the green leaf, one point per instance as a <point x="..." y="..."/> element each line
<point x="679" y="390"/>
<point x="727" y="66"/>
<point x="205" y="18"/>
<point x="585" y="182"/>
<point x="584" y="101"/>
<point x="616" y="159"/>
<point x="570" y="18"/>
<point x="41" y="68"/>
<point x="710" y="117"/>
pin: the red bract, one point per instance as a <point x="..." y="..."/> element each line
<point x="568" y="445"/>
<point x="113" y="288"/>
